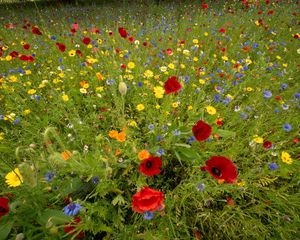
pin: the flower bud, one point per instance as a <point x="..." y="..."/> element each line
<point x="122" y="88"/>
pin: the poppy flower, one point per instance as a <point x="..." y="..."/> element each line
<point x="61" y="47"/>
<point x="172" y="85"/>
<point x="150" y="166"/>
<point x="36" y="31"/>
<point x="221" y="168"/>
<point x="14" y="54"/>
<point x="267" y="144"/>
<point x="147" y="199"/>
<point x="26" y="46"/>
<point x="71" y="228"/>
<point x="122" y="32"/>
<point x="131" y="39"/>
<point x="201" y="130"/>
<point x="4" y="209"/>
<point x="86" y="41"/>
<point x="204" y="6"/>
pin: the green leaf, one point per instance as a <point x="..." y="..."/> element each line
<point x="225" y="133"/>
<point x="57" y="217"/>
<point x="5" y="229"/>
<point x="118" y="200"/>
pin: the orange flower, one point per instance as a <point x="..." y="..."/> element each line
<point x="82" y="83"/>
<point x="113" y="133"/>
<point x="118" y="152"/>
<point x="66" y="155"/>
<point x="144" y="154"/>
<point x="99" y="76"/>
<point x="121" y="137"/>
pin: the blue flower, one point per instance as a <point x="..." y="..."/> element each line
<point x="177" y="132"/>
<point x="17" y="121"/>
<point x="151" y="126"/>
<point x="95" y="180"/>
<point x="49" y="176"/>
<point x="297" y="95"/>
<point x="191" y="139"/>
<point x="72" y="209"/>
<point x="285" y="106"/>
<point x="284" y="86"/>
<point x="243" y="115"/>
<point x="267" y="94"/>
<point x="200" y="187"/>
<point x="287" y="127"/>
<point x="160" y="152"/>
<point x="273" y="166"/>
<point x="148" y="215"/>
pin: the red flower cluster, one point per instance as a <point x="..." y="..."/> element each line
<point x="4" y="209"/>
<point x="122" y="32"/>
<point x="172" y="85"/>
<point x="36" y="31"/>
<point x="71" y="228"/>
<point x="150" y="166"/>
<point x="221" y="168"/>
<point x="61" y="47"/>
<point x="201" y="130"/>
<point x="147" y="199"/>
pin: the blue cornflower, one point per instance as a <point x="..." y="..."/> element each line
<point x="243" y="115"/>
<point x="177" y="132"/>
<point x="273" y="166"/>
<point x="95" y="180"/>
<point x="72" y="209"/>
<point x="148" y="215"/>
<point x="17" y="121"/>
<point x="1" y="116"/>
<point x="284" y="86"/>
<point x="159" y="138"/>
<point x="151" y="126"/>
<point x="287" y="127"/>
<point x="49" y="176"/>
<point x="191" y="139"/>
<point x="200" y="187"/>
<point x="267" y="94"/>
<point x="140" y="84"/>
<point x="53" y="37"/>
<point x="160" y="152"/>
<point x="297" y="95"/>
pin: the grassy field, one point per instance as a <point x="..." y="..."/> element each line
<point x="131" y="120"/>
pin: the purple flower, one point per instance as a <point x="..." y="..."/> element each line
<point x="148" y="215"/>
<point x="200" y="187"/>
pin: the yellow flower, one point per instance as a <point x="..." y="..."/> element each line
<point x="258" y="140"/>
<point x="190" y="107"/>
<point x="195" y="41"/>
<point x="163" y="68"/>
<point x="14" y="178"/>
<point x="175" y="104"/>
<point x="131" y="65"/>
<point x="225" y="58"/>
<point x="26" y="111"/>
<point x="211" y="110"/>
<point x="157" y="106"/>
<point x="99" y="89"/>
<point x="99" y="41"/>
<point x="1" y="136"/>
<point x="133" y="123"/>
<point x="148" y="74"/>
<point x="159" y="91"/>
<point x="72" y="53"/>
<point x="31" y="91"/>
<point x="140" y="107"/>
<point x="286" y="157"/>
<point x="195" y="59"/>
<point x="8" y="58"/>
<point x="83" y="90"/>
<point x="201" y="81"/>
<point x="171" y="66"/>
<point x="206" y="34"/>
<point x="65" y="98"/>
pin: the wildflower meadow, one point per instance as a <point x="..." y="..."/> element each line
<point x="149" y="120"/>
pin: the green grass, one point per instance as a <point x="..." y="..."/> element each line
<point x="266" y="202"/>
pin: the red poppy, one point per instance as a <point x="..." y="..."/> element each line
<point x="23" y="57"/>
<point x="172" y="85"/>
<point x="14" y="54"/>
<point x="71" y="228"/>
<point x="201" y="130"/>
<point x="122" y="32"/>
<point x="36" y="31"/>
<point x="221" y="168"/>
<point x="86" y="41"/>
<point x="26" y="46"/>
<point x="222" y="30"/>
<point x="61" y="47"/>
<point x="131" y="39"/>
<point x="147" y="199"/>
<point x="4" y="209"/>
<point x="267" y="144"/>
<point x="204" y="6"/>
<point x="169" y="51"/>
<point x="150" y="166"/>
